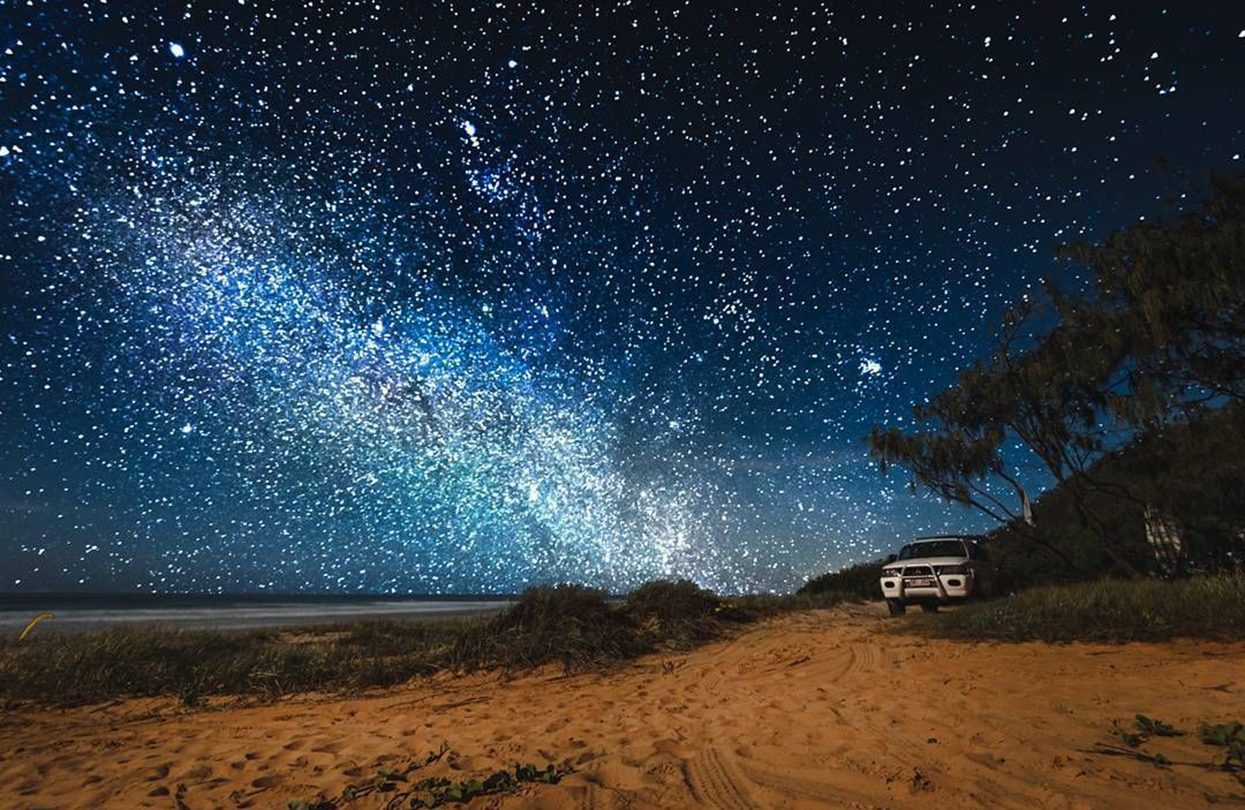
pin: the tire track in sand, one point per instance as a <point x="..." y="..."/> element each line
<point x="845" y="789"/>
<point x="712" y="782"/>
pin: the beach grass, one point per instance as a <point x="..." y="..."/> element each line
<point x="578" y="628"/>
<point x="860" y="581"/>
<point x="1210" y="607"/>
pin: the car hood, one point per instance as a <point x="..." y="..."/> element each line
<point x="926" y="561"/>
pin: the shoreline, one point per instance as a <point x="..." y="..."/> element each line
<point x="235" y="614"/>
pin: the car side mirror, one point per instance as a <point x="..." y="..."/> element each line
<point x="890" y="558"/>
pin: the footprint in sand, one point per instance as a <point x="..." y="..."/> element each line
<point x="196" y="774"/>
<point x="158" y="772"/>
<point x="671" y="747"/>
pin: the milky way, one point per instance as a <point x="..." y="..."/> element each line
<point x="459" y="298"/>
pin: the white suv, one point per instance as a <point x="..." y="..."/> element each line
<point x="931" y="571"/>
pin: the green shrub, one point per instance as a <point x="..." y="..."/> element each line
<point x="570" y="624"/>
<point x="677" y="615"/>
<point x="672" y="601"/>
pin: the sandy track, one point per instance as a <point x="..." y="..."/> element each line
<point x="813" y="710"/>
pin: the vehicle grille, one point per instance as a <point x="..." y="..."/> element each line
<point x="918" y="571"/>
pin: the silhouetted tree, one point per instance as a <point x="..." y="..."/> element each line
<point x="1172" y="297"/>
<point x="1157" y="336"/>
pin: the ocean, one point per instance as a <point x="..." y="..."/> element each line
<point x="79" y="612"/>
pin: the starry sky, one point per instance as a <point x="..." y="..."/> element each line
<point x="450" y="298"/>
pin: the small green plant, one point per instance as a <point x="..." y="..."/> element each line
<point x="528" y="773"/>
<point x="1229" y="736"/>
<point x="386" y="779"/>
<point x="1221" y="734"/>
<point x="1129" y="738"/>
<point x="1142" y="730"/>
<point x="1154" y="728"/>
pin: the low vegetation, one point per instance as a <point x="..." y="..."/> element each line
<point x="405" y="785"/>
<point x="192" y="664"/>
<point x="859" y="581"/>
<point x="1106" y="610"/>
<point x="576" y="627"/>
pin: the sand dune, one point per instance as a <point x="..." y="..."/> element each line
<point x="822" y="709"/>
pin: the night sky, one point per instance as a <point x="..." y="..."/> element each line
<point x="456" y="298"/>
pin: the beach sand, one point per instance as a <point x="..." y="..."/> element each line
<point x="821" y="709"/>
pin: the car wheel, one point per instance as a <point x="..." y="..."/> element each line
<point x="896" y="607"/>
<point x="929" y="607"/>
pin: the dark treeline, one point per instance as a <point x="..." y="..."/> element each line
<point x="1128" y="391"/>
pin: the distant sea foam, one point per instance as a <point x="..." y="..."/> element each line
<point x="78" y="612"/>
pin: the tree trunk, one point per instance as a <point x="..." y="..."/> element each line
<point x="1105" y="537"/>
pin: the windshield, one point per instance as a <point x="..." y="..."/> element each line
<point x="935" y="548"/>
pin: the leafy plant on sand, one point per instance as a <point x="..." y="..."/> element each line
<point x="438" y="792"/>
<point x="404" y="791"/>
<point x="387" y="779"/>
<point x="1229" y="736"/>
<point x="1106" y="610"/>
